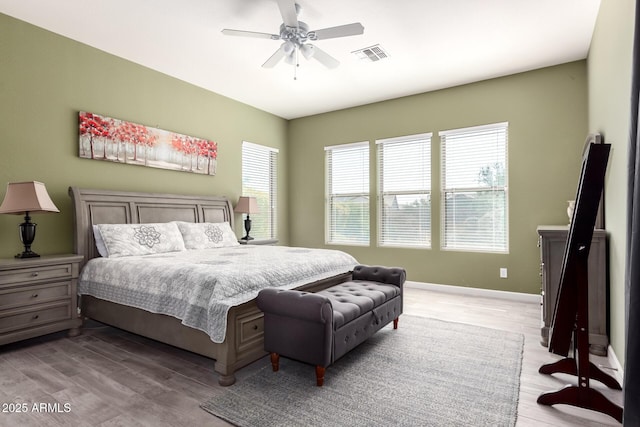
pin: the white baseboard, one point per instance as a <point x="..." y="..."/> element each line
<point x="617" y="371"/>
<point x="488" y="293"/>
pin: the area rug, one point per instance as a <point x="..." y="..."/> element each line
<point x="426" y="373"/>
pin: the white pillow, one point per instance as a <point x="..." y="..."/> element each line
<point x="207" y="235"/>
<point x="140" y="239"/>
<point x="97" y="236"/>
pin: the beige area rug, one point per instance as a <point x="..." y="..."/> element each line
<point x="426" y="373"/>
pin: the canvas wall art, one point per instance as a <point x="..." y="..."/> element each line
<point x="114" y="140"/>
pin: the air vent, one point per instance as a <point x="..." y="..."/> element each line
<point x="371" y="54"/>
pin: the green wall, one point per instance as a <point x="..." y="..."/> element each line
<point x="609" y="66"/>
<point x="547" y="114"/>
<point x="45" y="79"/>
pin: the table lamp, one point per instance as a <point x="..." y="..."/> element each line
<point x="247" y="205"/>
<point x="27" y="198"/>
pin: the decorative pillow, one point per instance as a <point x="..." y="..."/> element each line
<point x="140" y="239"/>
<point x="207" y="235"/>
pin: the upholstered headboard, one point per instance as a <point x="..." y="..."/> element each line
<point x="122" y="207"/>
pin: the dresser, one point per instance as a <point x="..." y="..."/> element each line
<point x="552" y="240"/>
<point x="38" y="296"/>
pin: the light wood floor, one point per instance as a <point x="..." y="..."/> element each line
<point x="113" y="378"/>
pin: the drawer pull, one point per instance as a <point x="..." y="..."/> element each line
<point x="255" y="327"/>
<point x="34" y="296"/>
<point x="35" y="317"/>
<point x="34" y="274"/>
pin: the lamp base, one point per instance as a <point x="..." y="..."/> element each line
<point x="27" y="234"/>
<point x="26" y="254"/>
<point x="247" y="228"/>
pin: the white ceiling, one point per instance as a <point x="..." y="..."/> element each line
<point x="432" y="44"/>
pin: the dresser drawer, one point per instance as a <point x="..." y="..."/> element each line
<point x="31" y="274"/>
<point x="27" y="295"/>
<point x="47" y="313"/>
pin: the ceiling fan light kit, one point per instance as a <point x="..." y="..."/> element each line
<point x="295" y="36"/>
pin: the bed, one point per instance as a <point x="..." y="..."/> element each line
<point x="243" y="325"/>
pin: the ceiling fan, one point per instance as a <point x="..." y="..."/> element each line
<point x="295" y="35"/>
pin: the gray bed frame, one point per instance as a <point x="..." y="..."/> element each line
<point x="244" y="336"/>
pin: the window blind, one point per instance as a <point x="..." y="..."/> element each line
<point x="260" y="180"/>
<point x="474" y="188"/>
<point x="404" y="191"/>
<point x="347" y="200"/>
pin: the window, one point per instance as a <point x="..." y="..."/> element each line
<point x="474" y="188"/>
<point x="347" y="203"/>
<point x="260" y="180"/>
<point x="404" y="191"/>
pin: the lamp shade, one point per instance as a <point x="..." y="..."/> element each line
<point x="29" y="197"/>
<point x="308" y="50"/>
<point x="247" y="205"/>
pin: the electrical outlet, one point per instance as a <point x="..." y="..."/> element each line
<point x="503" y="273"/>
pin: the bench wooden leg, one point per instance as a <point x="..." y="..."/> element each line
<point x="275" y="361"/>
<point x="395" y="323"/>
<point x="319" y="375"/>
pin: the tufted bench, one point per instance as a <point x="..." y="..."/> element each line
<point x="319" y="328"/>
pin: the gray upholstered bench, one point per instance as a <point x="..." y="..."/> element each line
<point x="319" y="328"/>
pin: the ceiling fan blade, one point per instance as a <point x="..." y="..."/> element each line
<point x="340" y="31"/>
<point x="274" y="59"/>
<point x="242" y="33"/>
<point x="323" y="57"/>
<point x="289" y="12"/>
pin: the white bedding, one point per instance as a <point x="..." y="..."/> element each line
<point x="200" y="286"/>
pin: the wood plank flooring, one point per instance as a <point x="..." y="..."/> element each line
<point x="108" y="377"/>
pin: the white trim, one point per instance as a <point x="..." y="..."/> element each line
<point x="488" y="293"/>
<point x="261" y="147"/>
<point x="406" y="138"/>
<point x="616" y="368"/>
<point x="492" y="126"/>
<point x="346" y="146"/>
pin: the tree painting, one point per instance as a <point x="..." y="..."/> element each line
<point x="114" y="140"/>
<point x="92" y="127"/>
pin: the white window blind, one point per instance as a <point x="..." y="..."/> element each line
<point x="404" y="191"/>
<point x="260" y="180"/>
<point x="347" y="202"/>
<point x="474" y="188"/>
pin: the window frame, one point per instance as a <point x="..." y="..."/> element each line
<point x="425" y="174"/>
<point x="272" y="155"/>
<point x="330" y="226"/>
<point x="444" y="190"/>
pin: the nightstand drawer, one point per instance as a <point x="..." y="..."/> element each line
<point x="27" y="295"/>
<point x="21" y="319"/>
<point x="31" y="274"/>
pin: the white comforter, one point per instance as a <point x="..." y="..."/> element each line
<point x="200" y="286"/>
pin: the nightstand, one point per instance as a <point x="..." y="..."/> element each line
<point x="38" y="296"/>
<point x="258" y="242"/>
